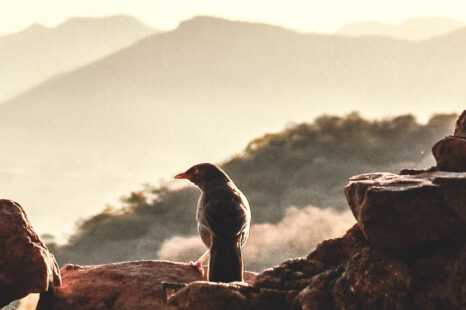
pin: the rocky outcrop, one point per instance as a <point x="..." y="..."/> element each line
<point x="450" y="153"/>
<point x="407" y="212"/>
<point x="407" y="250"/>
<point x="119" y="286"/>
<point x="26" y="265"/>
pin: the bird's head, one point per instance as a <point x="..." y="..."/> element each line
<point x="203" y="174"/>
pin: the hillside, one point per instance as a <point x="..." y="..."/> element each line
<point x="420" y="28"/>
<point x="307" y="164"/>
<point x="199" y="93"/>
<point x="37" y="52"/>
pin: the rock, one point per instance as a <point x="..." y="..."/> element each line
<point x="208" y="296"/>
<point x="335" y="252"/>
<point x="371" y="280"/>
<point x="351" y="275"/>
<point x="357" y="276"/>
<point x="440" y="278"/>
<point x="118" y="286"/>
<point x="408" y="212"/>
<point x="26" y="265"/>
<point x="293" y="274"/>
<point x="269" y="298"/>
<point x="450" y="153"/>
<point x="460" y="129"/>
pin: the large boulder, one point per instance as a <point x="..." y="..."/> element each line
<point x="26" y="265"/>
<point x="450" y="153"/>
<point x="119" y="286"/>
<point x="408" y="212"/>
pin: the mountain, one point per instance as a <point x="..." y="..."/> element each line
<point x="419" y="28"/>
<point x="197" y="94"/>
<point x="36" y="53"/>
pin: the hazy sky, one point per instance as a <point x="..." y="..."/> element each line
<point x="305" y="15"/>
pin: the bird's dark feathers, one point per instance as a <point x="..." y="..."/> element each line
<point x="225" y="212"/>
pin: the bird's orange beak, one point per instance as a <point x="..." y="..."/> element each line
<point x="183" y="175"/>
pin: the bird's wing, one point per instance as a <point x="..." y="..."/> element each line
<point x="226" y="213"/>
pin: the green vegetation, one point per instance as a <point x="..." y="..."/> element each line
<point x="306" y="164"/>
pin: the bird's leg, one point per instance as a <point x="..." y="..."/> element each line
<point x="198" y="263"/>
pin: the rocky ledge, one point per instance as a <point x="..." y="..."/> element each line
<point x="26" y="265"/>
<point x="122" y="286"/>
<point x="408" y="212"/>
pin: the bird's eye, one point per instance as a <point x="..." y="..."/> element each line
<point x="196" y="171"/>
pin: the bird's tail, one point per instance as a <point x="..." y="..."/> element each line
<point x="226" y="262"/>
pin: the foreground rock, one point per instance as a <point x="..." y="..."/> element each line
<point x="356" y="276"/>
<point x="450" y="153"/>
<point x="209" y="296"/>
<point x="122" y="286"/>
<point x="26" y="265"/>
<point x="407" y="212"/>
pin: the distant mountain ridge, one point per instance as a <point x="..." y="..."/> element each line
<point x="418" y="28"/>
<point x="38" y="52"/>
<point x="199" y="93"/>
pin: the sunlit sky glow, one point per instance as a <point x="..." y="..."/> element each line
<point x="303" y="15"/>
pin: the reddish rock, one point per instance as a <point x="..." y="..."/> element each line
<point x="293" y="274"/>
<point x="356" y="276"/>
<point x="450" y="153"/>
<point x="118" y="286"/>
<point x="269" y="299"/>
<point x="350" y="275"/>
<point x="26" y="265"/>
<point x="440" y="278"/>
<point x="371" y="280"/>
<point x="318" y="294"/>
<point x="337" y="251"/>
<point x="407" y="212"/>
<point x="460" y="129"/>
<point x="208" y="296"/>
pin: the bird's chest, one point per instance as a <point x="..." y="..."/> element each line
<point x="200" y="208"/>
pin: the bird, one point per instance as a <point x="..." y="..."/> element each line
<point x="223" y="222"/>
